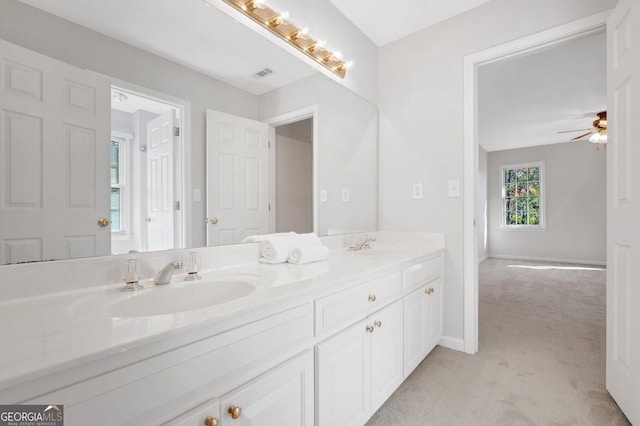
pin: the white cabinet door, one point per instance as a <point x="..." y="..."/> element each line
<point x="416" y="329"/>
<point x="386" y="353"/>
<point x="435" y="321"/>
<point x="283" y="396"/>
<point x="343" y="380"/>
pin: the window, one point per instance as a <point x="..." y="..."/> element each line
<point x="119" y="188"/>
<point x="522" y="196"/>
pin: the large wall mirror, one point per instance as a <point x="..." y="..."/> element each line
<point x="159" y="124"/>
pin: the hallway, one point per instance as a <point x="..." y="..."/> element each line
<point x="541" y="357"/>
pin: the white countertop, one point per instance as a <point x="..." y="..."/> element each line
<point x="46" y="334"/>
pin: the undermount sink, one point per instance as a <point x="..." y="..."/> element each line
<point x="179" y="297"/>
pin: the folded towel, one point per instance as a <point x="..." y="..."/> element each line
<point x="261" y="238"/>
<point x="276" y="249"/>
<point x="308" y="254"/>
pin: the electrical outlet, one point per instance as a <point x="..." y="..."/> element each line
<point x="323" y="195"/>
<point x="454" y="188"/>
<point x="345" y="195"/>
<point x="417" y="191"/>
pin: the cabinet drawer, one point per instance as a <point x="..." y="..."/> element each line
<point x="420" y="274"/>
<point x="217" y="364"/>
<point x="341" y="309"/>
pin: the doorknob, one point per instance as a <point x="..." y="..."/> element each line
<point x="103" y="223"/>
<point x="213" y="220"/>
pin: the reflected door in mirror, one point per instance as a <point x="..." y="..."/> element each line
<point x="54" y="151"/>
<point x="237" y="178"/>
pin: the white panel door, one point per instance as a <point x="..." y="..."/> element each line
<point x="54" y="155"/>
<point x="386" y="353"/>
<point x="343" y="387"/>
<point x="623" y="208"/>
<point x="237" y="178"/>
<point x="283" y="396"/>
<point x="160" y="213"/>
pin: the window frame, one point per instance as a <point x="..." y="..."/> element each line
<point x="124" y="152"/>
<point x="543" y="216"/>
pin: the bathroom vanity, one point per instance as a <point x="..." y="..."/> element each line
<point x="324" y="343"/>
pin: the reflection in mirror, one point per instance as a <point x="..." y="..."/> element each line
<point x="131" y="137"/>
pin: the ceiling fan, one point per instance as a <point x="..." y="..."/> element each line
<point x="598" y="132"/>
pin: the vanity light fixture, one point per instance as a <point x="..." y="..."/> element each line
<point x="280" y="25"/>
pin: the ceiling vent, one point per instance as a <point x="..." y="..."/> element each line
<point x="263" y="73"/>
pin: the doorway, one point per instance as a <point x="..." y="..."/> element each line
<point x="526" y="45"/>
<point x="146" y="164"/>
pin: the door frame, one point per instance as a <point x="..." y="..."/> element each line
<point x="281" y="120"/>
<point x="182" y="164"/>
<point x="529" y="44"/>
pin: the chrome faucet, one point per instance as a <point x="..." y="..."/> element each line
<point x="166" y="273"/>
<point x="364" y="244"/>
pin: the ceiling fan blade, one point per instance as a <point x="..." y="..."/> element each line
<point x="586" y="134"/>
<point x="577" y="130"/>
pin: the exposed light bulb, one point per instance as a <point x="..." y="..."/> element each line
<point x="349" y="64"/>
<point x="338" y="55"/>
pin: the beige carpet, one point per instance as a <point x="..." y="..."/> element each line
<point x="541" y="357"/>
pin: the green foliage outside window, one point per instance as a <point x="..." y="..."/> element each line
<point x="522" y="196"/>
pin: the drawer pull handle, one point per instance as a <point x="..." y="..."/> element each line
<point x="369" y="329"/>
<point x="235" y="411"/>
<point x="378" y="323"/>
<point x="211" y="421"/>
<point x="372" y="297"/>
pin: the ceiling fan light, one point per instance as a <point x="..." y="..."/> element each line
<point x="599" y="137"/>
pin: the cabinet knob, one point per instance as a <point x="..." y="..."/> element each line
<point x="235" y="411"/>
<point x="372" y="297"/>
<point x="378" y="323"/>
<point x="211" y="421"/>
<point x="369" y="329"/>
<point x="429" y="290"/>
<point x="432" y="290"/>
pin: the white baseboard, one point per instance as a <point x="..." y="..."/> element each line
<point x="452" y="343"/>
<point x="550" y="259"/>
<point x="483" y="258"/>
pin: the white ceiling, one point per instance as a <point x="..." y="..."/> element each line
<point x="525" y="101"/>
<point x="189" y="32"/>
<point x="384" y="21"/>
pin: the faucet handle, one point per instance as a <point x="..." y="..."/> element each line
<point x="177" y="264"/>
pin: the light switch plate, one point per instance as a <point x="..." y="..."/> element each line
<point x="323" y="195"/>
<point x="454" y="188"/>
<point x="196" y="196"/>
<point x="417" y="191"/>
<point x="345" y="195"/>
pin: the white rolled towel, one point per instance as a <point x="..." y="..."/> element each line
<point x="308" y="254"/>
<point x="276" y="249"/>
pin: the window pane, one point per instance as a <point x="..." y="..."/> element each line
<point x="522" y="189"/>
<point x="509" y="209"/>
<point x="510" y="190"/>
<point x="521" y="175"/>
<point x="534" y="174"/>
<point x="115" y="163"/>
<point x="115" y="209"/>
<point x="534" y="189"/>
<point x="509" y="176"/>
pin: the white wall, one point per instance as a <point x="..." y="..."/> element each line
<point x="346" y="146"/>
<point x="294" y="177"/>
<point x="482" y="205"/>
<point x="421" y="119"/>
<point x="575" y="204"/>
<point x="83" y="48"/>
